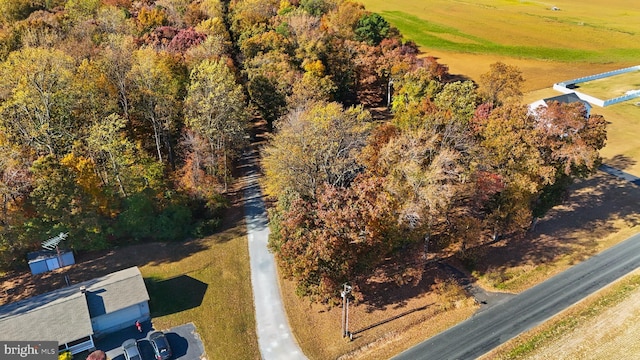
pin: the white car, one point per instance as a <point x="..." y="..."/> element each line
<point x="130" y="349"/>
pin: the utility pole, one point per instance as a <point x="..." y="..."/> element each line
<point x="346" y="289"/>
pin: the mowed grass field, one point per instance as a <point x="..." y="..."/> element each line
<point x="612" y="86"/>
<point x="210" y="287"/>
<point x="581" y="38"/>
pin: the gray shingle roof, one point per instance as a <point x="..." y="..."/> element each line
<point x="60" y="316"/>
<point x="568" y="99"/>
<point x="63" y="315"/>
<point x="116" y="291"/>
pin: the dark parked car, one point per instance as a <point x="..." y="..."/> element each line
<point x="160" y="345"/>
<point x="131" y="351"/>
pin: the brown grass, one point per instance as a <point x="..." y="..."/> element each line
<point x="538" y="74"/>
<point x="397" y="311"/>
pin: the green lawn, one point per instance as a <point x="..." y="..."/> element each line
<point x="212" y="289"/>
<point x="611" y="87"/>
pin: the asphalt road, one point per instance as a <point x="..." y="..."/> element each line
<point x="496" y="325"/>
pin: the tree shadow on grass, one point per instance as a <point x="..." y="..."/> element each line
<point x="174" y="295"/>
<point x="457" y="77"/>
<point x="395" y="283"/>
<point x="390" y="319"/>
<point x="620" y="162"/>
<point x="596" y="208"/>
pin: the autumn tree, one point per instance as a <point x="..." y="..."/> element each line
<point x="66" y="196"/>
<point x="314" y="145"/>
<point x="215" y="110"/>
<point x="342" y="20"/>
<point x="510" y="143"/>
<point x="81" y="9"/>
<point x="15" y="180"/>
<point x="112" y="151"/>
<point x="11" y="11"/>
<point x="428" y="169"/>
<point x="502" y="83"/>
<point x="116" y="62"/>
<point x="155" y="95"/>
<point x="192" y="177"/>
<point x="271" y="78"/>
<point x="313" y="86"/>
<point x="397" y="59"/>
<point x="245" y="14"/>
<point x="458" y="99"/>
<point x="338" y="237"/>
<point x="571" y="140"/>
<point x="412" y="88"/>
<point x="93" y="94"/>
<point x="36" y="104"/>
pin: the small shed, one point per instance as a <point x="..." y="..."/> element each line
<point x="47" y="260"/>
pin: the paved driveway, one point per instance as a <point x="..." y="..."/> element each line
<point x="184" y="340"/>
<point x="275" y="338"/>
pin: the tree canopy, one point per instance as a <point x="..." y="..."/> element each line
<point x="122" y="121"/>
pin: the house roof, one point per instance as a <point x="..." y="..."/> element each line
<point x="61" y="316"/>
<point x="64" y="315"/>
<point x="568" y="99"/>
<point x="116" y="291"/>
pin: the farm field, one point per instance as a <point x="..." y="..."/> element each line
<point x="581" y="38"/>
<point x="610" y="320"/>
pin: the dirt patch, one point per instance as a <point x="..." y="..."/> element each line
<point x="538" y="74"/>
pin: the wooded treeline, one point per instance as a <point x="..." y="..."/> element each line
<point x="119" y="121"/>
<point x="122" y="119"/>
